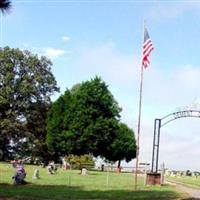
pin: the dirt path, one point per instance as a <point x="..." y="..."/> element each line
<point x="7" y="198"/>
<point x="194" y="193"/>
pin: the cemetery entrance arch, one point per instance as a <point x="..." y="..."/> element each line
<point x="158" y="123"/>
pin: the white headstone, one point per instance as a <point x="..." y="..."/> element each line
<point x="83" y="171"/>
<point x="36" y="174"/>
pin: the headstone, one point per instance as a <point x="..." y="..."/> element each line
<point x="49" y="169"/>
<point x="83" y="171"/>
<point x="65" y="164"/>
<point x="36" y="174"/>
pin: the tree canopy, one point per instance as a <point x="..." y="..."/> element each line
<point x="26" y="84"/>
<point x="85" y="120"/>
<point x="123" y="146"/>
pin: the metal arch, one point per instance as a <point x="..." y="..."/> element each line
<point x="158" y="123"/>
<point x="163" y="124"/>
<point x="180" y="114"/>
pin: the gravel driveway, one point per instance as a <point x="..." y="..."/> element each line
<point x="194" y="193"/>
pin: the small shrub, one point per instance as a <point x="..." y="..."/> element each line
<point x="78" y="162"/>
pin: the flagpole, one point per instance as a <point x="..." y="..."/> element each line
<point x="139" y="117"/>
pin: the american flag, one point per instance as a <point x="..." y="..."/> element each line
<point x="147" y="49"/>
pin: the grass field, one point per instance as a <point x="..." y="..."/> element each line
<point x="70" y="184"/>
<point x="186" y="180"/>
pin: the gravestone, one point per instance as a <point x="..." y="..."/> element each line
<point x="83" y="171"/>
<point x="36" y="174"/>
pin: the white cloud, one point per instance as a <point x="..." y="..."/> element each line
<point x="53" y="52"/>
<point x="109" y="63"/>
<point x="50" y="52"/>
<point x="176" y="87"/>
<point x="65" y="38"/>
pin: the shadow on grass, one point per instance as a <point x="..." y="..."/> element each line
<point x="33" y="192"/>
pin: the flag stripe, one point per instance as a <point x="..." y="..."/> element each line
<point x="147" y="49"/>
<point x="147" y="52"/>
<point x="146" y="43"/>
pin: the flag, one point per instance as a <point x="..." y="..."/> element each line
<point x="147" y="49"/>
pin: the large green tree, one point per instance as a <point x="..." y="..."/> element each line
<point x="83" y="120"/>
<point x="26" y="84"/>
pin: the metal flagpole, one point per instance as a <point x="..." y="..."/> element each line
<point x="139" y="116"/>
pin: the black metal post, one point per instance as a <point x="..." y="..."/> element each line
<point x="158" y="144"/>
<point x="154" y="138"/>
<point x="156" y="141"/>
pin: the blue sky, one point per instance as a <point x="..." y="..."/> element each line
<point x="88" y="38"/>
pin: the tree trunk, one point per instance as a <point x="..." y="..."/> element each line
<point x="4" y="149"/>
<point x="119" y="164"/>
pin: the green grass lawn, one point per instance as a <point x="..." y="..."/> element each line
<point x="186" y="180"/>
<point x="70" y="184"/>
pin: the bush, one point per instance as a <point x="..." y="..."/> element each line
<point x="79" y="162"/>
